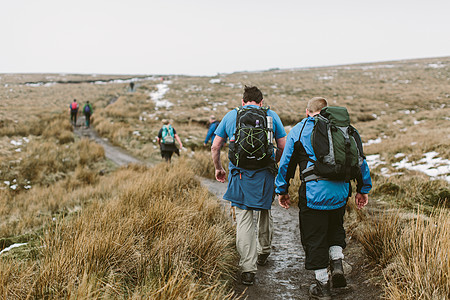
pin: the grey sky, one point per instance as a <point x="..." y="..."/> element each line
<point x="201" y="37"/>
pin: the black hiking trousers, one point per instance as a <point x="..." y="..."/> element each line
<point x="319" y="230"/>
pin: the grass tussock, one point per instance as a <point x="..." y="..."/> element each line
<point x="412" y="253"/>
<point x="408" y="192"/>
<point x="202" y="163"/>
<point x="160" y="235"/>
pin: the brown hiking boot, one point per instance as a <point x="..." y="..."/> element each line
<point x="262" y="259"/>
<point x="320" y="291"/>
<point x="337" y="274"/>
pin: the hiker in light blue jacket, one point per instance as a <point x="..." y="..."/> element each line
<point x="321" y="203"/>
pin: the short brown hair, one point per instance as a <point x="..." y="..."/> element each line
<point x="316" y="104"/>
<point x="252" y="93"/>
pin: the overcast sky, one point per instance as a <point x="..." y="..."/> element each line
<point x="201" y="37"/>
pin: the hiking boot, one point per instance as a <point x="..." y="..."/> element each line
<point x="262" y="259"/>
<point x="337" y="274"/>
<point x="320" y="291"/>
<point x="247" y="278"/>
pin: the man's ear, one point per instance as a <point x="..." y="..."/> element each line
<point x="261" y="103"/>
<point x="307" y="112"/>
<point x="242" y="102"/>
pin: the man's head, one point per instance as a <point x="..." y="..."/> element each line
<point x="74" y="100"/>
<point x="315" y="105"/>
<point x="212" y="118"/>
<point x="252" y="94"/>
<point x="165" y="121"/>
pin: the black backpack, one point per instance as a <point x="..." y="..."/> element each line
<point x="252" y="147"/>
<point x="337" y="146"/>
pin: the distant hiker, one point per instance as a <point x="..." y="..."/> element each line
<point x="166" y="140"/>
<point x="252" y="168"/>
<point x="87" y="111"/>
<point x="213" y="123"/>
<point x="131" y="86"/>
<point x="73" y="112"/>
<point x="325" y="170"/>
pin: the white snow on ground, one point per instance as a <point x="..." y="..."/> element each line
<point x="370" y="142"/>
<point x="408" y="112"/>
<point x="374" y="160"/>
<point x="437" y="66"/>
<point x="158" y="96"/>
<point x="215" y="81"/>
<point x="12" y="247"/>
<point x="16" y="143"/>
<point x="431" y="165"/>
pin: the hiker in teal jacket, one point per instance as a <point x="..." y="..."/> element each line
<point x="249" y="190"/>
<point x="167" y="136"/>
<point x="87" y="111"/>
<point x="321" y="204"/>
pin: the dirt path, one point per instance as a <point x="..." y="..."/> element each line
<point x="284" y="276"/>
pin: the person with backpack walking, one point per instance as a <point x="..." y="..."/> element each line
<point x="213" y="123"/>
<point x="329" y="152"/>
<point x="87" y="111"/>
<point x="73" y="112"/>
<point x="166" y="141"/>
<point x="252" y="168"/>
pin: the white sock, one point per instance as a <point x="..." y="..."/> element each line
<point x="335" y="252"/>
<point x="321" y="275"/>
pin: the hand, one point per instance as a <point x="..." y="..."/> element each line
<point x="220" y="175"/>
<point x="361" y="200"/>
<point x="284" y="200"/>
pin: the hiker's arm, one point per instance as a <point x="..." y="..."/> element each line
<point x="178" y="140"/>
<point x="364" y="185"/>
<point x="280" y="145"/>
<point x="209" y="133"/>
<point x="215" y="154"/>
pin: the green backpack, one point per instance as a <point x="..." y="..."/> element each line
<point x="337" y="146"/>
<point x="168" y="135"/>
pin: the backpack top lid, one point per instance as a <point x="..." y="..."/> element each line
<point x="337" y="115"/>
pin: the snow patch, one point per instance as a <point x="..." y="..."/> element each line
<point x="431" y="165"/>
<point x="12" y="247"/>
<point x="215" y="81"/>
<point x="158" y="96"/>
<point x="370" y="142"/>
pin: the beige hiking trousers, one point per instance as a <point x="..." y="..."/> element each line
<point x="253" y="237"/>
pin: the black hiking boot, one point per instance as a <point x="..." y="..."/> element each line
<point x="337" y="274"/>
<point x="247" y="278"/>
<point x="262" y="259"/>
<point x="320" y="291"/>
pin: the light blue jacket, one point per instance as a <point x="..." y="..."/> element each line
<point x="320" y="194"/>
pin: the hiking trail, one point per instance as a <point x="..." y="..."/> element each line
<point x="284" y="276"/>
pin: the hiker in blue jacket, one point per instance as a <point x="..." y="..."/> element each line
<point x="213" y="123"/>
<point x="321" y="204"/>
<point x="250" y="190"/>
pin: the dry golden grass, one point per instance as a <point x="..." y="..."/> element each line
<point x="158" y="237"/>
<point x="413" y="253"/>
<point x="404" y="102"/>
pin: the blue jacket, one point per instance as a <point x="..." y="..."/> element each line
<point x="249" y="189"/>
<point x="210" y="134"/>
<point x="320" y="194"/>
